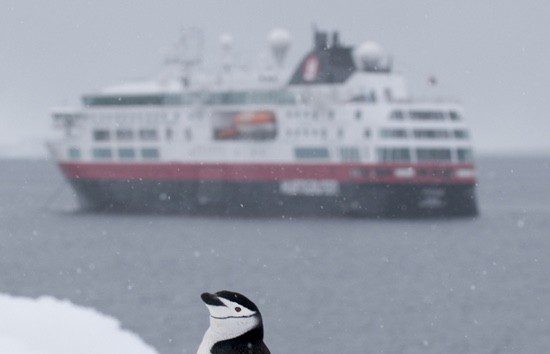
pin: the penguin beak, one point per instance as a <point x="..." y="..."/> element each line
<point x="211" y="299"/>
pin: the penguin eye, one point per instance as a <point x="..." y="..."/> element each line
<point x="238" y="309"/>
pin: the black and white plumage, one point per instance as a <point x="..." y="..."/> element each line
<point x="236" y="325"/>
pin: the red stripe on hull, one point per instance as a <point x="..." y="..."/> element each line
<point x="350" y="173"/>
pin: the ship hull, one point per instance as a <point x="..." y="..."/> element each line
<point x="265" y="198"/>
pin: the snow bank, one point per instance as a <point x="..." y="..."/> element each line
<point x="47" y="326"/>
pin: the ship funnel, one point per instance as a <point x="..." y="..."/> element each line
<point x="279" y="41"/>
<point x="369" y="56"/>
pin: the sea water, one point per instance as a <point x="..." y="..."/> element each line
<point x="324" y="285"/>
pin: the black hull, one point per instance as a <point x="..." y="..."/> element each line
<point x="265" y="198"/>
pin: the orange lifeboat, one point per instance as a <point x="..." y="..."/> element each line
<point x="255" y="118"/>
<point x="227" y="133"/>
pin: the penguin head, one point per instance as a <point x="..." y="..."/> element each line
<point x="232" y="314"/>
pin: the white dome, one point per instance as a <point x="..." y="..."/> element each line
<point x="279" y="38"/>
<point x="226" y="41"/>
<point x="369" y="56"/>
<point x="279" y="41"/>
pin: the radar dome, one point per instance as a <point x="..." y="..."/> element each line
<point x="279" y="41"/>
<point x="226" y="41"/>
<point x="369" y="56"/>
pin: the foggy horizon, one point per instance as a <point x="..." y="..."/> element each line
<point x="490" y="55"/>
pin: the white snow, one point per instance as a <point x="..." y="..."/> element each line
<point x="50" y="326"/>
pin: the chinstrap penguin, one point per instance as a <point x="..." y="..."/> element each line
<point x="235" y="325"/>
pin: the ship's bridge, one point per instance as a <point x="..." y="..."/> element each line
<point x="389" y="86"/>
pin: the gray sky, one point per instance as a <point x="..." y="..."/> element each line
<point x="491" y="55"/>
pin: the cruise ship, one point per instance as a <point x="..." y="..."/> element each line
<point x="339" y="133"/>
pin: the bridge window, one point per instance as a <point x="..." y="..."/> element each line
<point x="250" y="97"/>
<point x="311" y="153"/>
<point x="393" y="155"/>
<point x="369" y="97"/>
<point x="137" y="100"/>
<point x="102" y="135"/>
<point x="433" y="155"/>
<point x="102" y="154"/>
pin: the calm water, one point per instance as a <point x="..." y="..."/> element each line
<point x="328" y="285"/>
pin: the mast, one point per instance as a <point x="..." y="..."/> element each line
<point x="187" y="53"/>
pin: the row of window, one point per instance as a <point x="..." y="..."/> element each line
<point x="121" y="153"/>
<point x="124" y="117"/>
<point x="366" y="97"/>
<point x="425" y="115"/>
<point x="129" y="135"/>
<point x="216" y="98"/>
<point x="125" y="153"/>
<point x="309" y="114"/>
<point x="305" y="132"/>
<point x="423" y="155"/>
<point x="358" y="114"/>
<point x="136" y="100"/>
<point x="347" y="154"/>
<point x="250" y="97"/>
<point x="397" y="133"/>
<point x="424" y="133"/>
<point x="311" y="153"/>
<point x="351" y="154"/>
<point x="125" y="134"/>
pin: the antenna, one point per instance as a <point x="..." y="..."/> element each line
<point x="226" y="43"/>
<point x="279" y="41"/>
<point x="187" y="52"/>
